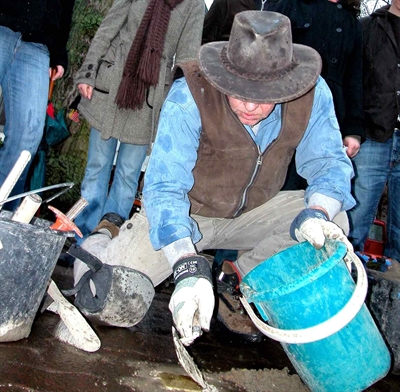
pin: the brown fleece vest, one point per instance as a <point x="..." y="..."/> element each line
<point x="231" y="176"/>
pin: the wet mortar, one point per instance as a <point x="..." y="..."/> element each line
<point x="143" y="358"/>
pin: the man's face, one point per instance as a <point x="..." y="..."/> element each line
<point x="250" y="113"/>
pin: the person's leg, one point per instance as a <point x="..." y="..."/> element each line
<point x="96" y="181"/>
<point x="131" y="248"/>
<point x="258" y="234"/>
<point x="125" y="182"/>
<point x="24" y="73"/>
<point x="117" y="294"/>
<point x="392" y="248"/>
<point x="371" y="166"/>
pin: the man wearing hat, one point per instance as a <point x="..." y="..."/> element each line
<point x="228" y="130"/>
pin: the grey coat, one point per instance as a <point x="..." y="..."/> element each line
<point x="104" y="63"/>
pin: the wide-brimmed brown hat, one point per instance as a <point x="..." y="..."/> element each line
<point x="260" y="63"/>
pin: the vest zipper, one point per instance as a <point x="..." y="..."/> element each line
<point x="255" y="171"/>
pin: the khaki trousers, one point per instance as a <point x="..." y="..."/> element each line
<point x="258" y="235"/>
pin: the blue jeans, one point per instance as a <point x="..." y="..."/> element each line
<point x="375" y="165"/>
<point x="24" y="79"/>
<point x="95" y="188"/>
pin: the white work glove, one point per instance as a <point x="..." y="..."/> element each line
<point x="312" y="225"/>
<point x="192" y="302"/>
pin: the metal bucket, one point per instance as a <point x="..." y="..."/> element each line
<point x="28" y="255"/>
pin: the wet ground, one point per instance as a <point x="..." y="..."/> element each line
<point x="143" y="359"/>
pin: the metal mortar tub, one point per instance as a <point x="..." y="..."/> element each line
<point x="28" y="255"/>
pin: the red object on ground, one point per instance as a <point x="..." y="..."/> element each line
<point x="375" y="244"/>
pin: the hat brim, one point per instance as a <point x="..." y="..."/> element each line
<point x="291" y="86"/>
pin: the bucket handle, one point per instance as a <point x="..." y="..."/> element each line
<point x="326" y="328"/>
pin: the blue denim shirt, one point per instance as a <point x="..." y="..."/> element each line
<point x="320" y="158"/>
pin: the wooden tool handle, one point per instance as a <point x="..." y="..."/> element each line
<point x="51" y="86"/>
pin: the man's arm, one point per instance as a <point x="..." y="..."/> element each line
<point x="168" y="180"/>
<point x="321" y="158"/>
<point x="58" y="52"/>
<point x="169" y="177"/>
<point x="214" y="21"/>
<point x="352" y="128"/>
<point x="108" y="30"/>
<point x="190" y="38"/>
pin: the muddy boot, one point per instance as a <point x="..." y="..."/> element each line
<point x="230" y="310"/>
<point x="110" y="221"/>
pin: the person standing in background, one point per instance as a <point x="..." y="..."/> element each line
<point x="33" y="38"/>
<point x="219" y="18"/>
<point x="332" y="28"/>
<point x="123" y="82"/>
<point x="377" y="163"/>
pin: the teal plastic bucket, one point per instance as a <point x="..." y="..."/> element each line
<point x="317" y="312"/>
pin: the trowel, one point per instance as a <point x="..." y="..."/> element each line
<point x="73" y="328"/>
<point x="188" y="364"/>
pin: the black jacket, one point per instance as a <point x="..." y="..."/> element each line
<point x="41" y="21"/>
<point x="381" y="76"/>
<point x="219" y="19"/>
<point x="335" y="32"/>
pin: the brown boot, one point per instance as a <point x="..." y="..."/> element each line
<point x="230" y="310"/>
<point x="110" y="221"/>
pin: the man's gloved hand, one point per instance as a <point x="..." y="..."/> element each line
<point x="312" y="225"/>
<point x="192" y="302"/>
